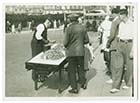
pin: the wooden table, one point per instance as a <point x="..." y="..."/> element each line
<point x="42" y="69"/>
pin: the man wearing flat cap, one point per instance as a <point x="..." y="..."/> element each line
<point x="74" y="40"/>
<point x="112" y="41"/>
<point x="120" y="61"/>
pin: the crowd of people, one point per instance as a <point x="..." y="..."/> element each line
<point x="11" y="28"/>
<point x="117" y="47"/>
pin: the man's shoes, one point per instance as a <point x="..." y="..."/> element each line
<point x="109" y="81"/>
<point x="114" y="90"/>
<point x="125" y="87"/>
<point x="75" y="91"/>
<point x="84" y="86"/>
<point x="123" y="81"/>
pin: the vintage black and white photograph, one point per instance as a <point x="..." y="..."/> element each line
<point x="70" y="50"/>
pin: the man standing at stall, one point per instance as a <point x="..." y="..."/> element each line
<point x="40" y="37"/>
<point x="74" y="40"/>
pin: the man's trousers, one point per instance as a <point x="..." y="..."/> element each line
<point x="76" y="66"/>
<point x="121" y="65"/>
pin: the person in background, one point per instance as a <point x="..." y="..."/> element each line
<point x="123" y="62"/>
<point x="105" y="28"/>
<point x="94" y="25"/>
<point x="100" y="33"/>
<point x="29" y="25"/>
<point x="74" y="40"/>
<point x="32" y="25"/>
<point x="40" y="37"/>
<point x="88" y="25"/>
<point x="54" y="24"/>
<point x="112" y="41"/>
<point x="8" y="26"/>
<point x="88" y="57"/>
<point x="13" y="29"/>
<point x="57" y="24"/>
<point x="66" y="24"/>
<point x="19" y="27"/>
<point x="81" y="20"/>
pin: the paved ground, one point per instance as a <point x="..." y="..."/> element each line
<point x="18" y="80"/>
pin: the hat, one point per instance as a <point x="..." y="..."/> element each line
<point x="123" y="11"/>
<point x="115" y="10"/>
<point x="73" y="16"/>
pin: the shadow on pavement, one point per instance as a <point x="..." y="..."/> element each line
<point x="53" y="81"/>
<point x="91" y="74"/>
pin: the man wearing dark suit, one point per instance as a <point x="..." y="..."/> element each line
<point x="75" y="38"/>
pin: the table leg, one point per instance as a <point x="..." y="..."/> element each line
<point x="60" y="80"/>
<point x="35" y="79"/>
<point x="35" y="83"/>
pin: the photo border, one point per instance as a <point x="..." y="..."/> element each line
<point x="73" y="98"/>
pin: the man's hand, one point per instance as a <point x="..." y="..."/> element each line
<point x="106" y="49"/>
<point x="45" y="41"/>
<point x="131" y="54"/>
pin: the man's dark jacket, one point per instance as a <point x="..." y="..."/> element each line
<point x="74" y="39"/>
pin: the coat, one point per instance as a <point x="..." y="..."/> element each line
<point x="74" y="40"/>
<point x="113" y="33"/>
